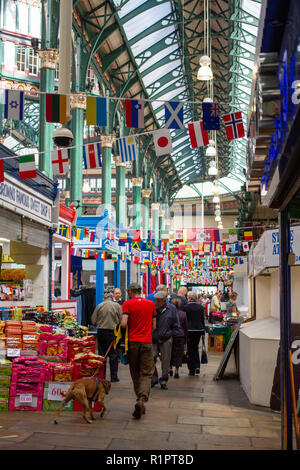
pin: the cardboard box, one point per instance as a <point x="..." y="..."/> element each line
<point x="4" y="392"/>
<point x="5" y="367"/>
<point x="15" y="405"/>
<point x="5" y="381"/>
<point x="39" y="393"/>
<point x="4" y="404"/>
<point x="50" y="405"/>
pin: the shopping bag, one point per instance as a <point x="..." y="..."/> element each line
<point x="204" y="359"/>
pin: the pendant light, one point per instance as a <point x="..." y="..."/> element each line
<point x="211" y="150"/>
<point x="212" y="171"/>
<point x="216" y="199"/>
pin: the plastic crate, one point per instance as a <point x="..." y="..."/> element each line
<point x="18" y="377"/>
<point x="15" y="405"/>
<point x="38" y="393"/>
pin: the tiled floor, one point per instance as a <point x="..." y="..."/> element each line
<point x="196" y="413"/>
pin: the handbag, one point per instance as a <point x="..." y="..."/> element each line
<point x="204" y="359"/>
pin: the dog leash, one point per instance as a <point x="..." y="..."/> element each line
<point x="109" y="348"/>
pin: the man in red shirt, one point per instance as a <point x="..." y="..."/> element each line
<point x="139" y="314"/>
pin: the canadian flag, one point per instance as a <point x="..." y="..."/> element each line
<point x="162" y="142"/>
<point x="198" y="136"/>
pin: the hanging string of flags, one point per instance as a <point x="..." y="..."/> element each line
<point x="96" y="114"/>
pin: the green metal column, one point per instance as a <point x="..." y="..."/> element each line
<point x="48" y="55"/>
<point x="106" y="151"/>
<point x="77" y="113"/>
<point x="137" y="195"/>
<point x="146" y="192"/>
<point x="120" y="191"/>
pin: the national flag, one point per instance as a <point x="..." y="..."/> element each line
<point x="245" y="246"/>
<point x="136" y="260"/>
<point x="1" y="171"/>
<point x="232" y="235"/>
<point x="91" y="156"/>
<point x="56" y="108"/>
<point x="211" y="119"/>
<point x="198" y="136"/>
<point x="14" y="105"/>
<point x="134" y="112"/>
<point x="162" y="142"/>
<point x="62" y="230"/>
<point x="114" y="257"/>
<point x="191" y="234"/>
<point x="92" y="235"/>
<point x="136" y="236"/>
<point x="206" y="247"/>
<point x="60" y="161"/>
<point x="248" y="236"/>
<point x="173" y="115"/>
<point x="96" y="255"/>
<point x="27" y="168"/>
<point x="123" y="236"/>
<point x="149" y="245"/>
<point x="212" y="235"/>
<point x="165" y="237"/>
<point x="136" y="245"/>
<point x="234" y="125"/>
<point x="110" y="234"/>
<point x="96" y="111"/>
<point x="127" y="147"/>
<point x="103" y="255"/>
<point x="179" y="236"/>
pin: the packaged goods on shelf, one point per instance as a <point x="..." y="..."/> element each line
<point x="53" y="405"/>
<point x="53" y="347"/>
<point x="86" y="365"/>
<point x="5" y="367"/>
<point x="4" y="404"/>
<point x="81" y="345"/>
<point x="4" y="392"/>
<point x="61" y="372"/>
<point x="5" y="381"/>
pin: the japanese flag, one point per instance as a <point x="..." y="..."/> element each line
<point x="162" y="142"/>
<point x="245" y="246"/>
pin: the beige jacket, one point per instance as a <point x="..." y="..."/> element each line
<point x="215" y="304"/>
<point x="107" y="315"/>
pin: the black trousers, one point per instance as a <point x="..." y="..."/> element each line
<point x="105" y="337"/>
<point x="193" y="350"/>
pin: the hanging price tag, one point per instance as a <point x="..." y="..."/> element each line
<point x="13" y="352"/>
<point x="26" y="398"/>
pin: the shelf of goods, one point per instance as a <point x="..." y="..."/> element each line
<point x="40" y="356"/>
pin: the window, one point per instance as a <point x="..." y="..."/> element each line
<point x="21" y="58"/>
<point x="10" y="15"/>
<point x="33" y="62"/>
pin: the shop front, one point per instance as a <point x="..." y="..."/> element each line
<point x="25" y="237"/>
<point x="259" y="339"/>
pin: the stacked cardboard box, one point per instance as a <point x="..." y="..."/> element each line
<point x="5" y="380"/>
<point x="27" y="384"/>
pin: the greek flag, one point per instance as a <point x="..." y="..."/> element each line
<point x="128" y="149"/>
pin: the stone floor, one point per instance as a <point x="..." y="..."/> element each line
<point x="195" y="413"/>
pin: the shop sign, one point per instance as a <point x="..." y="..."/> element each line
<point x="21" y="199"/>
<point x="55" y="390"/>
<point x="25" y="398"/>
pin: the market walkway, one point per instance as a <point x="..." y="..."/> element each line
<point x="195" y="413"/>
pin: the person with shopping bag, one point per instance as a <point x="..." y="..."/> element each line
<point x="196" y="329"/>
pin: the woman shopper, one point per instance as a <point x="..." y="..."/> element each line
<point x="179" y="340"/>
<point x="196" y="328"/>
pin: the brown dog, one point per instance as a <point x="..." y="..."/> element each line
<point x="86" y="391"/>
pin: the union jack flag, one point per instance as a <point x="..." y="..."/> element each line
<point x="234" y="125"/>
<point x="214" y="110"/>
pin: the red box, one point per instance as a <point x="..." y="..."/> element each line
<point x="15" y="377"/>
<point x="77" y="406"/>
<point x="80" y="371"/>
<point x="13" y="390"/>
<point x="15" y="405"/>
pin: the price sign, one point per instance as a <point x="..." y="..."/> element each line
<point x="55" y="390"/>
<point x="26" y="398"/>
<point x="13" y="352"/>
<point x="29" y="337"/>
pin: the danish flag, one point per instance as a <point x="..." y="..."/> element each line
<point x="234" y="125"/>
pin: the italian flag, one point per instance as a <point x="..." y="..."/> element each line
<point x="27" y="167"/>
<point x="56" y="108"/>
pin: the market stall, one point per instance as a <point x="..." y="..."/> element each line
<point x="259" y="339"/>
<point x="25" y="236"/>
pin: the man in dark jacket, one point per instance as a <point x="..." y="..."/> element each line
<point x="196" y="328"/>
<point x="167" y="326"/>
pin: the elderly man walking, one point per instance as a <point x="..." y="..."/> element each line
<point x="196" y="328"/>
<point x="107" y="315"/>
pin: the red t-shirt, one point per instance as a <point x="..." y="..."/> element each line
<point x="140" y="314"/>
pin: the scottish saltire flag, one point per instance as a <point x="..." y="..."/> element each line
<point x="134" y="112"/>
<point x="91" y="156"/>
<point x="234" y="126"/>
<point x="96" y="111"/>
<point x="14" y="105"/>
<point x="173" y="115"/>
<point x="211" y="119"/>
<point x="128" y="150"/>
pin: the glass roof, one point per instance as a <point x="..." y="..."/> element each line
<point x="161" y="34"/>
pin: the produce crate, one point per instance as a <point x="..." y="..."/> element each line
<point x="15" y="405"/>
